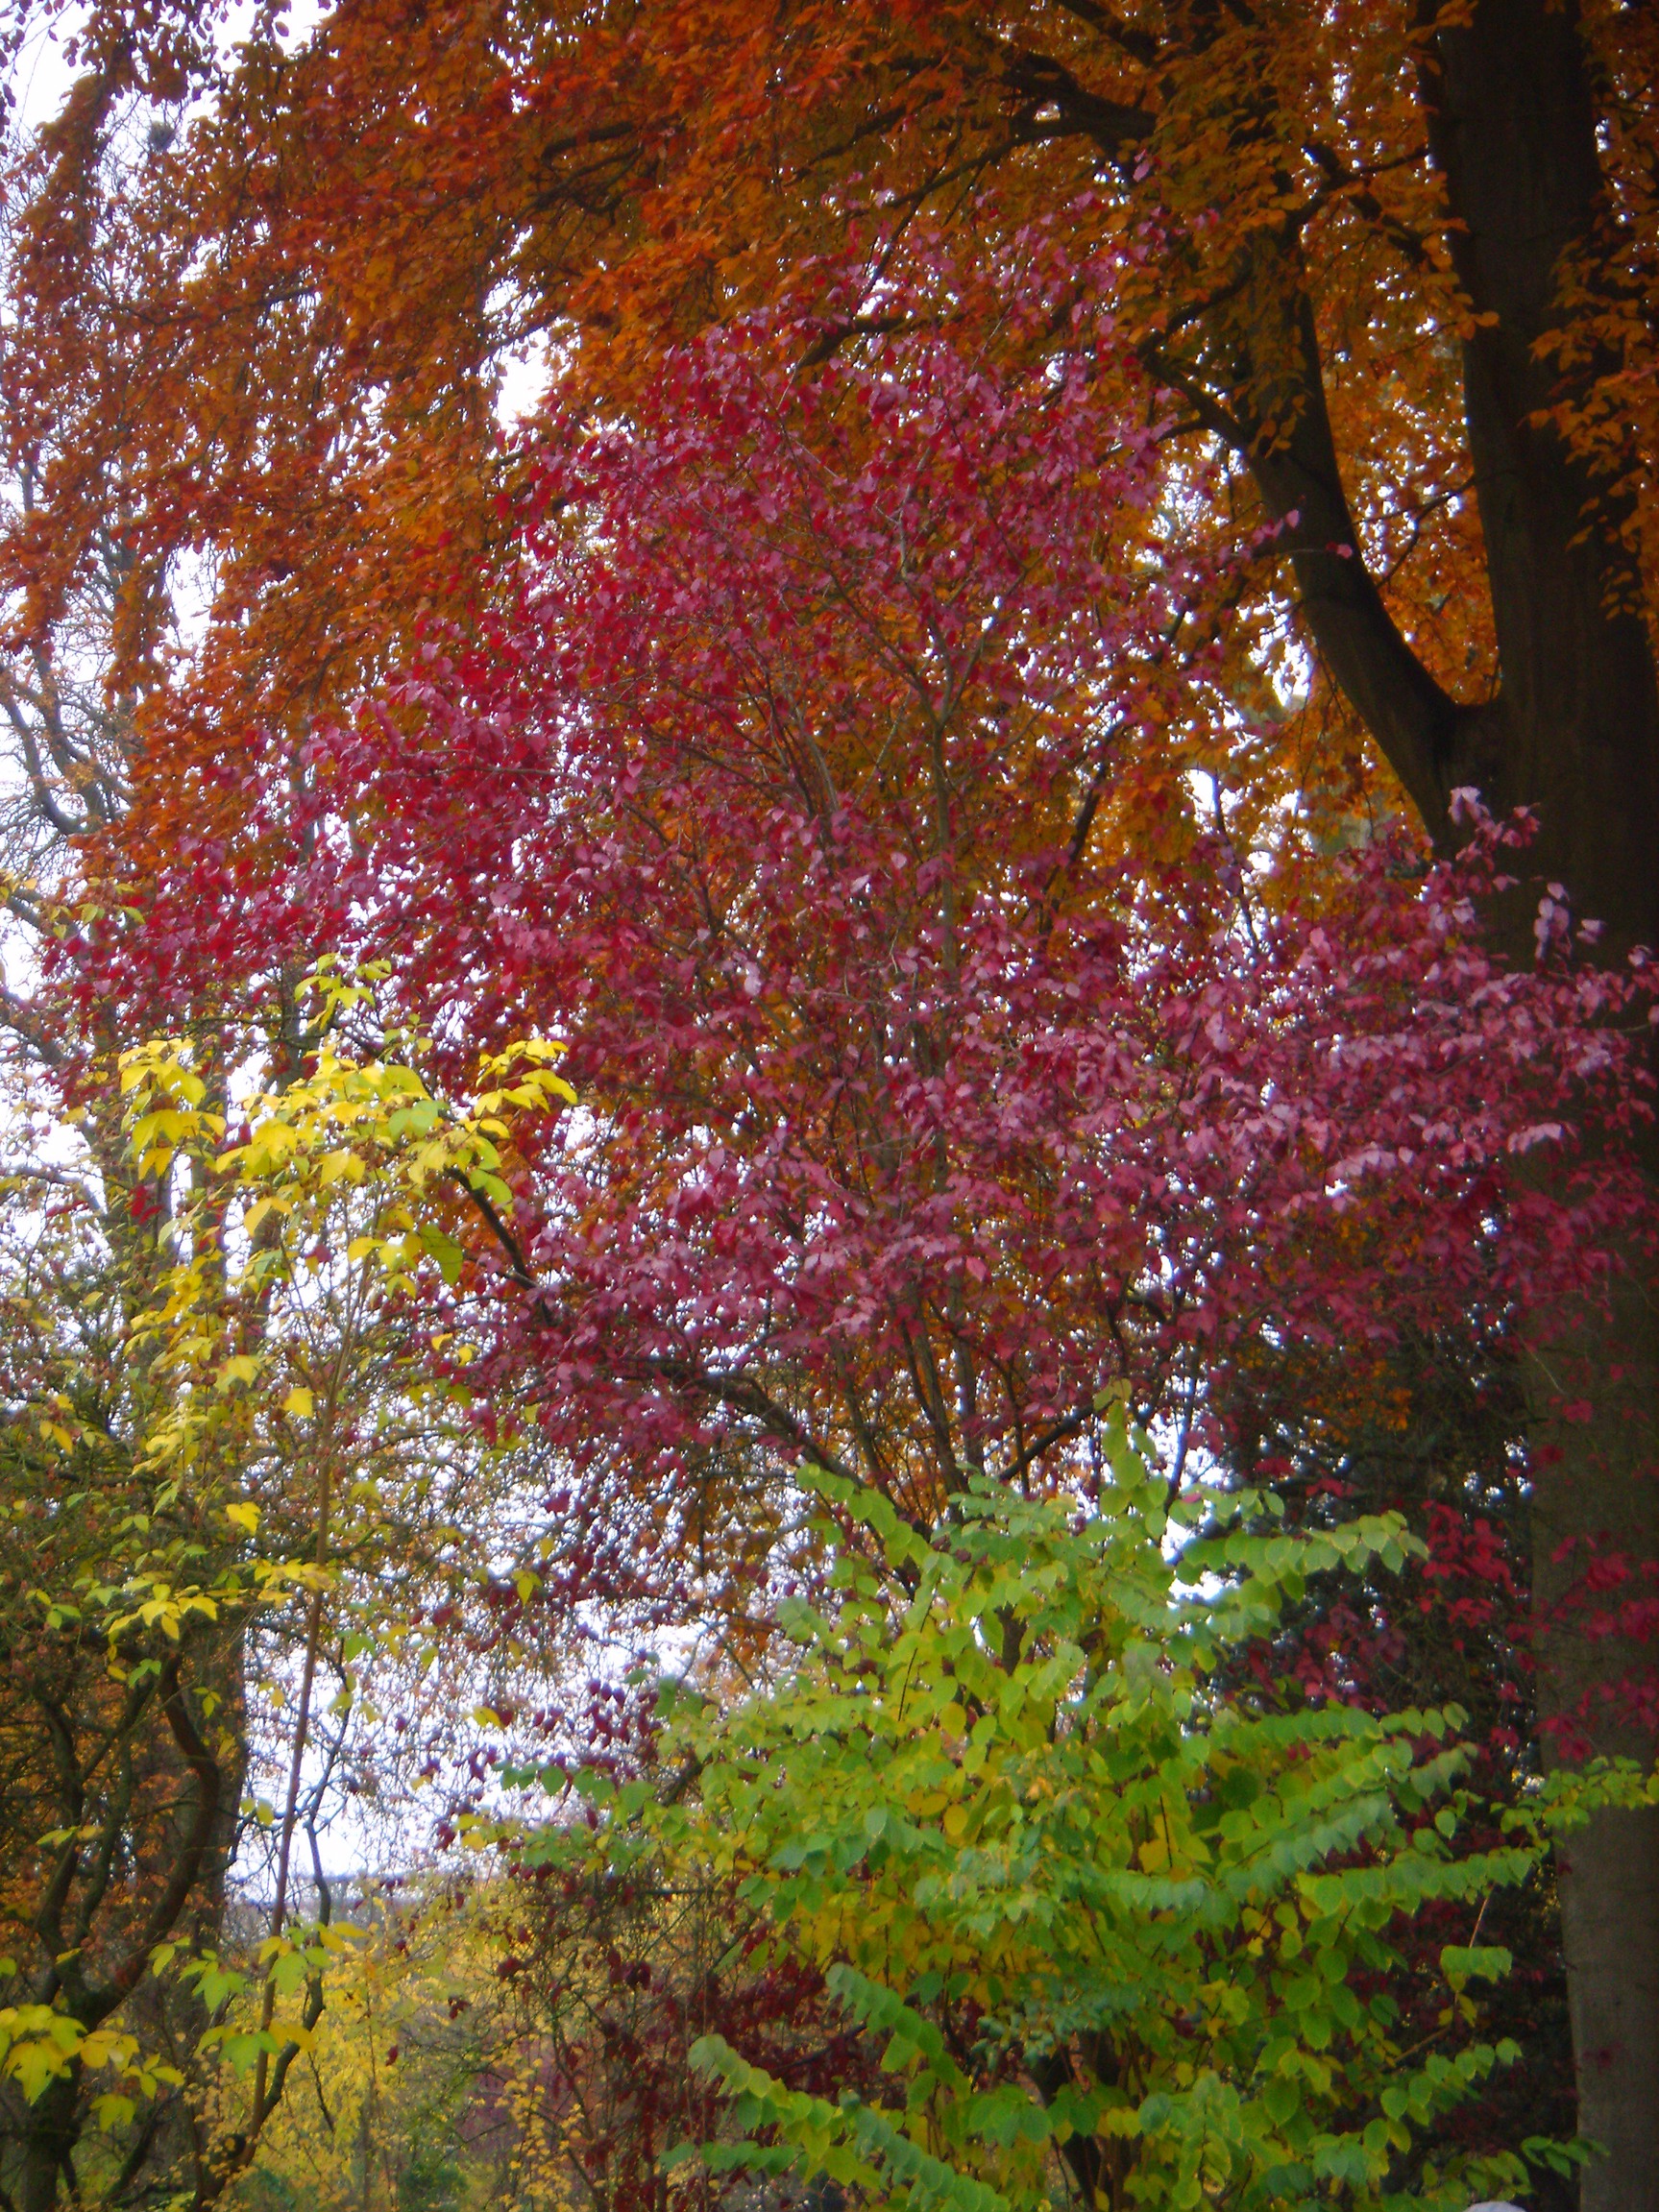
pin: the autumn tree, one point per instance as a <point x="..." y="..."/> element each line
<point x="1393" y="261"/>
<point x="939" y="1086"/>
<point x="123" y="1764"/>
<point x="217" y="1450"/>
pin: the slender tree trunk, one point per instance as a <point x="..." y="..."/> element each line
<point x="53" y="2125"/>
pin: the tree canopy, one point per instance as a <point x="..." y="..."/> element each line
<point x="1053" y="702"/>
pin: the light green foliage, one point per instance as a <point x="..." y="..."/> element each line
<point x="1092" y="1908"/>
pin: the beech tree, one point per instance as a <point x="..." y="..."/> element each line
<point x="1395" y="262"/>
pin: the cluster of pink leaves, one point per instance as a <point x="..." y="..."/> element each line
<point x="918" y="1115"/>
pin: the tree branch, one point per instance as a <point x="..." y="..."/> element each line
<point x="1277" y="419"/>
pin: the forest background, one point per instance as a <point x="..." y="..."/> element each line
<point x="829" y="1366"/>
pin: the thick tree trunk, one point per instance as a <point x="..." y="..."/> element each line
<point x="1513" y="126"/>
<point x="1514" y="129"/>
<point x="1575" y="735"/>
<point x="1595" y="1500"/>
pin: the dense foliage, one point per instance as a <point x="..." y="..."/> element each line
<point x="1052" y="718"/>
<point x="1078" y="1902"/>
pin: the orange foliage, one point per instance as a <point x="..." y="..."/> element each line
<point x="1394" y="258"/>
<point x="274" y="341"/>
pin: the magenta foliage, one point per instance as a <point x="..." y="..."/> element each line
<point x="919" y="1112"/>
<point x="803" y="776"/>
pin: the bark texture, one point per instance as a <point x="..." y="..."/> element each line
<point x="52" y="2130"/>
<point x="1513" y="127"/>
<point x="1574" y="733"/>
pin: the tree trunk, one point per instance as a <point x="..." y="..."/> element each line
<point x="52" y="2127"/>
<point x="1574" y="733"/>
<point x="1514" y="129"/>
<point x="1513" y="126"/>
<point x="1595" y="1500"/>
